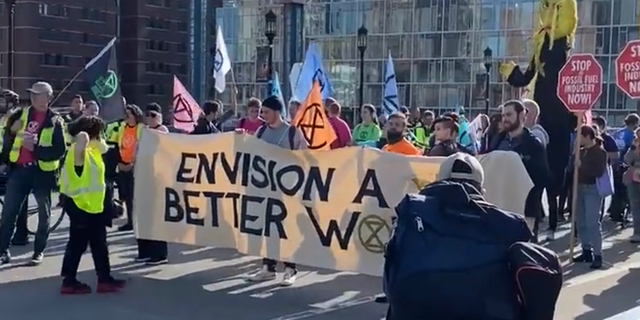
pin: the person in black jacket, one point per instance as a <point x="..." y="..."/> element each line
<point x="515" y="137"/>
<point x="445" y="134"/>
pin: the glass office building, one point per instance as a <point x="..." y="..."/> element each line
<point x="437" y="46"/>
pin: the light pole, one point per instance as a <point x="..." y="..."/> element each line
<point x="362" y="47"/>
<point x="11" y="4"/>
<point x="270" y="30"/>
<point x="488" y="60"/>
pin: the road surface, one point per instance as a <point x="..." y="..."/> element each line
<point x="208" y="283"/>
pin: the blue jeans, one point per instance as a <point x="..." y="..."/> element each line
<point x="588" y="218"/>
<point x="20" y="183"/>
<point x="633" y="190"/>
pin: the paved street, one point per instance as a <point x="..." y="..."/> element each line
<point x="207" y="283"/>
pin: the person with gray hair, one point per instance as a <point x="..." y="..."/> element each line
<point x="91" y="108"/>
<point x="531" y="121"/>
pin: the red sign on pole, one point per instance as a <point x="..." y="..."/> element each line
<point x="580" y="82"/>
<point x="628" y="69"/>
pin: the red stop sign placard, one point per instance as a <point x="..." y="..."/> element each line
<point x="628" y="69"/>
<point x="580" y="82"/>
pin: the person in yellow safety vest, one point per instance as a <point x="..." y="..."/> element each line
<point x="37" y="146"/>
<point x="88" y="200"/>
<point x="127" y="138"/>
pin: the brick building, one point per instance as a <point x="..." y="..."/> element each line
<point x="55" y="39"/>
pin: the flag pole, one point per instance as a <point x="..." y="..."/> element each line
<point x="66" y="87"/>
<point x="234" y="94"/>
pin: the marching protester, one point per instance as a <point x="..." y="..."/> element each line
<point x="419" y="129"/>
<point x="395" y="135"/>
<point x="35" y="143"/>
<point x="277" y="132"/>
<point x="445" y="132"/>
<point x="294" y="106"/>
<point x="531" y="121"/>
<point x="367" y="132"/>
<point x="77" y="108"/>
<point x="21" y="237"/>
<point x="87" y="202"/>
<point x="340" y="127"/>
<point x="517" y="138"/>
<point x="632" y="180"/>
<point x="592" y="164"/>
<point x="624" y="137"/>
<point x="153" y="251"/>
<point x="252" y="121"/>
<point x="91" y="108"/>
<point x="128" y="136"/>
<point x="205" y="124"/>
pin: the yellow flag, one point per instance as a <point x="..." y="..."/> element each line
<point x="313" y="121"/>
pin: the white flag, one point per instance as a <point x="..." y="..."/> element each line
<point x="391" y="103"/>
<point x="101" y="53"/>
<point x="221" y="62"/>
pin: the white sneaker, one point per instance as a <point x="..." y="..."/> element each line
<point x="289" y="277"/>
<point x="263" y="275"/>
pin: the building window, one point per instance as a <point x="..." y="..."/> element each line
<point x="182" y="48"/>
<point x="155" y="3"/>
<point x="53" y="10"/>
<point x="54" y="60"/>
<point x="93" y="15"/>
<point x="157" y="23"/>
<point x="155" y="89"/>
<point x="182" y="26"/>
<point x="53" y="35"/>
<point x="94" y="39"/>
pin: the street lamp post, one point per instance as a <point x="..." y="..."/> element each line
<point x="270" y="32"/>
<point x="488" y="60"/>
<point x="363" y="33"/>
<point x="11" y="5"/>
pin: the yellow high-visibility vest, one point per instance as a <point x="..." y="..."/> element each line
<point x="45" y="139"/>
<point x="111" y="132"/>
<point x="87" y="190"/>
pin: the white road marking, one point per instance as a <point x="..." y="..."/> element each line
<point x="346" y="296"/>
<point x="631" y="314"/>
<point x="315" y="312"/>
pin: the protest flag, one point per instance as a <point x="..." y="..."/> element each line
<point x="310" y="72"/>
<point x="101" y="73"/>
<point x="221" y="62"/>
<point x="185" y="109"/>
<point x="275" y="91"/>
<point x="391" y="103"/>
<point x="312" y="120"/>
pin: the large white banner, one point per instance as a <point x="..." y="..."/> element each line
<point x="327" y="209"/>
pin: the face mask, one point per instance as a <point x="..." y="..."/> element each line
<point x="100" y="145"/>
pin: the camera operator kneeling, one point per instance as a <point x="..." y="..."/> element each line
<point x="88" y="202"/>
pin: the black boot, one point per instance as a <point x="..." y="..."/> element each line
<point x="585" y="256"/>
<point x="597" y="262"/>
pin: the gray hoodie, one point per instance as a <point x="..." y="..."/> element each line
<point x="541" y="134"/>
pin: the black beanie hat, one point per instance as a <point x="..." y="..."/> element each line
<point x="273" y="103"/>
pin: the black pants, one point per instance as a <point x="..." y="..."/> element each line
<point x="271" y="264"/>
<point x="22" y="232"/>
<point x="146" y="248"/>
<point x="125" y="192"/>
<point x="85" y="230"/>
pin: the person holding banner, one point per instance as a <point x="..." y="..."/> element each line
<point x="127" y="137"/>
<point x="367" y="132"/>
<point x="157" y="251"/>
<point x="277" y="132"/>
<point x="252" y="121"/>
<point x="205" y="124"/>
<point x="340" y="127"/>
<point x="396" y="142"/>
<point x="82" y="182"/>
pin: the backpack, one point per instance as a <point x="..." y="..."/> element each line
<point x="447" y="257"/>
<point x="291" y="132"/>
<point x="538" y="275"/>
